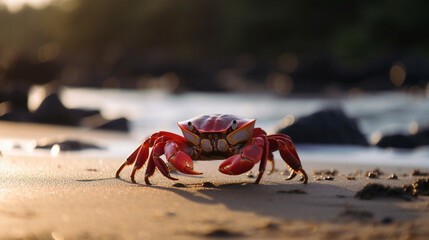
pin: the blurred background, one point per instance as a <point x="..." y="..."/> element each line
<point x="284" y="47"/>
<point x="274" y="60"/>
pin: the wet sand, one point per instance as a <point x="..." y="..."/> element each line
<point x="73" y="196"/>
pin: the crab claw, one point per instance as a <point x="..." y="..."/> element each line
<point x="183" y="163"/>
<point x="179" y="159"/>
<point x="241" y="163"/>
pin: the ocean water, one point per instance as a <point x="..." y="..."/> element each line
<point x="377" y="114"/>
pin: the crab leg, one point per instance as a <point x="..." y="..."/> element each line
<point x="139" y="156"/>
<point x="287" y="150"/>
<point x="264" y="159"/>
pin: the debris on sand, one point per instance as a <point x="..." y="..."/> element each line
<point x="392" y="177"/>
<point x="179" y="185"/>
<point x="68" y="145"/>
<point x="221" y="233"/>
<point x="332" y="172"/>
<point x="417" y="172"/>
<point x="350" y="178"/>
<point x="208" y="184"/>
<point x="421" y="186"/>
<point x="293" y="191"/>
<point x="376" y="173"/>
<point x="374" y="190"/>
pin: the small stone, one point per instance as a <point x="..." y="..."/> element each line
<point x="318" y="179"/>
<point x="350" y="178"/>
<point x="371" y="175"/>
<point x="417" y="172"/>
<point x="270" y="226"/>
<point x="179" y="185"/>
<point x="387" y="220"/>
<point x="208" y="184"/>
<point x="91" y="170"/>
<point x="393" y="177"/>
<point x="332" y="172"/>
<point x="421" y="186"/>
<point x="250" y="175"/>
<point x="329" y="178"/>
<point x="221" y="233"/>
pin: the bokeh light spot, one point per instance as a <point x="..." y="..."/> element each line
<point x="397" y="74"/>
<point x="413" y="128"/>
<point x="375" y="138"/>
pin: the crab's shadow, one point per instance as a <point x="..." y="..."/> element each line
<point x="319" y="201"/>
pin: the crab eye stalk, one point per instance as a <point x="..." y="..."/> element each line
<point x="234" y="125"/>
<point x="190" y="126"/>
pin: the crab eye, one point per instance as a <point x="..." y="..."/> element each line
<point x="234" y="125"/>
<point x="190" y="126"/>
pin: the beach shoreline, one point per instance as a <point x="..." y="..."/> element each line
<point x="76" y="196"/>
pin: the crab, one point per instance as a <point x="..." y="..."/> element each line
<point x="214" y="137"/>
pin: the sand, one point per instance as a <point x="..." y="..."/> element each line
<point x="75" y="196"/>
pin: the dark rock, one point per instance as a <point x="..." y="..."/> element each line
<point x="393" y="177"/>
<point x="69" y="145"/>
<point x="120" y="124"/>
<point x="83" y="113"/>
<point x="179" y="185"/>
<point x="52" y="111"/>
<point x="17" y="116"/>
<point x="417" y="172"/>
<point x="421" y="138"/>
<point x="421" y="186"/>
<point x="387" y="220"/>
<point x="208" y="184"/>
<point x="330" y="126"/>
<point x="374" y="190"/>
<point x="221" y="233"/>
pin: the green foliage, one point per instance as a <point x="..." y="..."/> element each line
<point x="194" y="29"/>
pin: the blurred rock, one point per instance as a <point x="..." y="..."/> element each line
<point x="421" y="138"/>
<point x="120" y="124"/>
<point x="53" y="111"/>
<point x="68" y="145"/>
<point x="330" y="126"/>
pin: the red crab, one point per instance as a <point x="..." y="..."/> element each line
<point x="212" y="137"/>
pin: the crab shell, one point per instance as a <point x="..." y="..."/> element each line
<point x="234" y="129"/>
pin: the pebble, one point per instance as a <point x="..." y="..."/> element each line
<point x="179" y="185"/>
<point x="372" y="175"/>
<point x="387" y="220"/>
<point x="208" y="184"/>
<point x="350" y="178"/>
<point x="250" y="175"/>
<point x="221" y="233"/>
<point x="393" y="176"/>
<point x="329" y="178"/>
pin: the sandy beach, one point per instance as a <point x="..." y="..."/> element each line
<point x="76" y="196"/>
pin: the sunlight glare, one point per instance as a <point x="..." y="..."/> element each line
<point x="16" y="5"/>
